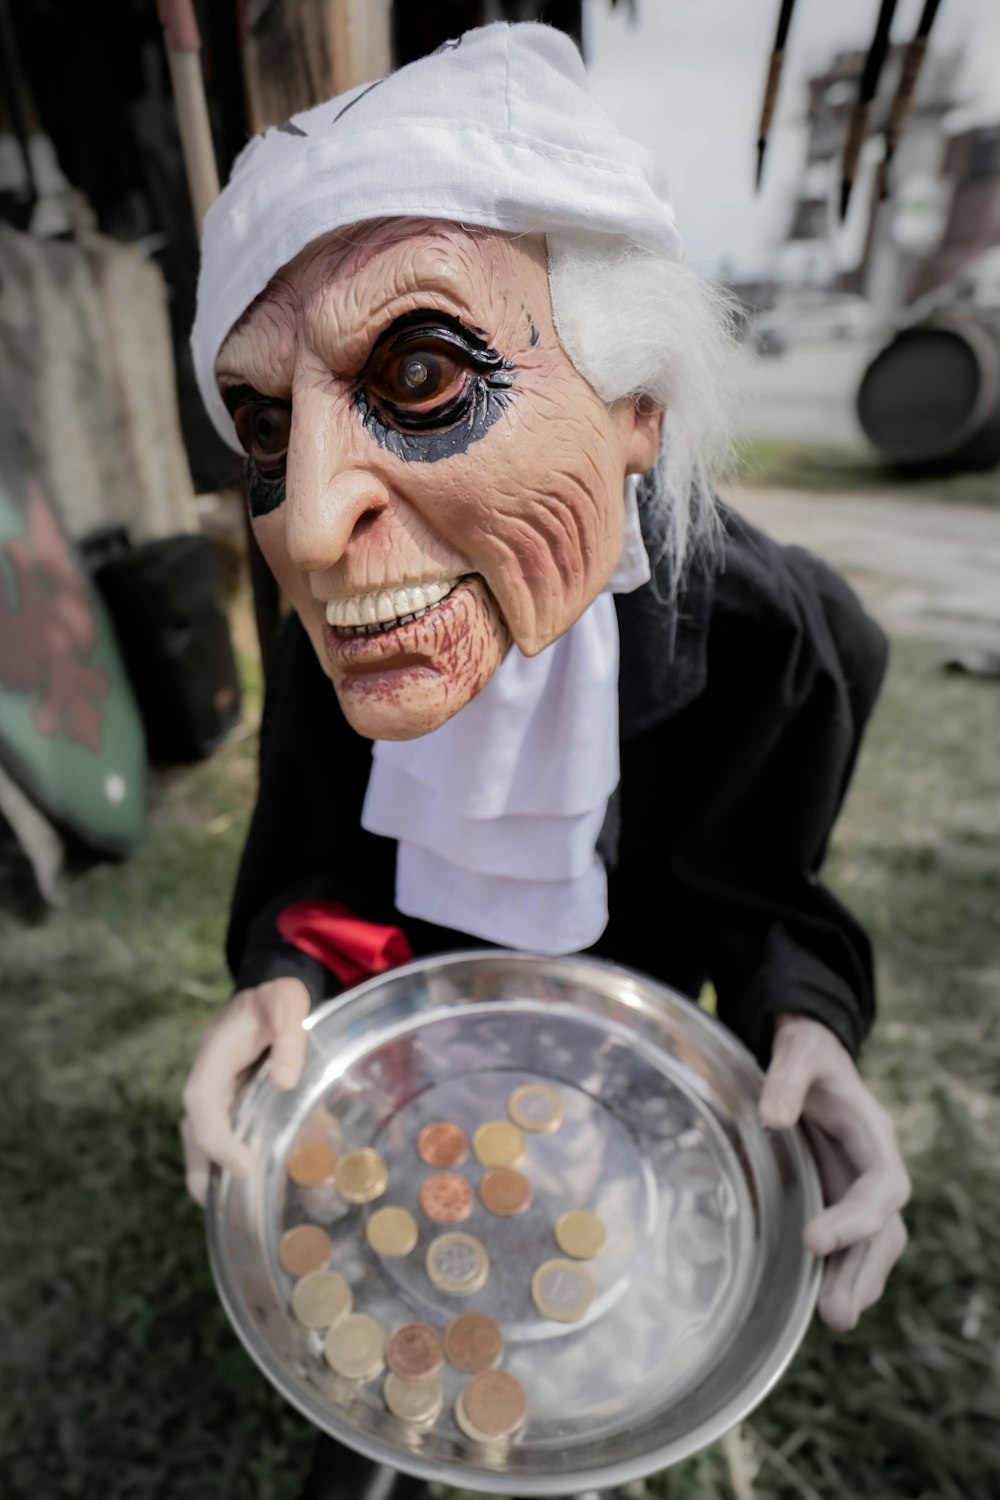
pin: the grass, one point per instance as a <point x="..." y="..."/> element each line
<point x="827" y="470"/>
<point x="121" y="1375"/>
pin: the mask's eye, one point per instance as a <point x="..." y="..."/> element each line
<point x="418" y="375"/>
<point x="263" y="428"/>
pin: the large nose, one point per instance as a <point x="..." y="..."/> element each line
<point x="331" y="490"/>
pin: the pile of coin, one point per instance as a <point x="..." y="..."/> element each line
<point x="492" y="1407"/>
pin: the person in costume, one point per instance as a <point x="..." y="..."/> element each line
<point x="540" y="689"/>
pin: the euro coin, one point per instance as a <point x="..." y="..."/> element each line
<point x="535" y="1107"/>
<point x="320" y="1299"/>
<point x="446" y="1198"/>
<point x="355" y="1347"/>
<point x="442" y="1144"/>
<point x="414" y="1351"/>
<point x="303" y="1249"/>
<point x="580" y="1234"/>
<point x="562" y="1290"/>
<point x="312" y="1164"/>
<point x="361" y="1176"/>
<point x="505" y="1192"/>
<point x="457" y="1263"/>
<point x="416" y="1401"/>
<point x="473" y="1342"/>
<point x="498" y="1144"/>
<point x="392" y="1232"/>
<point x="494" y="1406"/>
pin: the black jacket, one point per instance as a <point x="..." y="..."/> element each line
<point x="741" y="713"/>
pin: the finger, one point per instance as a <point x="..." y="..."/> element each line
<point x="788" y="1081"/>
<point x="196" y="1165"/>
<point x="856" y="1279"/>
<point x="288" y="1049"/>
<point x="213" y="1135"/>
<point x="861" y="1213"/>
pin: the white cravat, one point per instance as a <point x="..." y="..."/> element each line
<point x="498" y="812"/>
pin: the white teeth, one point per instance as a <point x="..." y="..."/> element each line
<point x="386" y="605"/>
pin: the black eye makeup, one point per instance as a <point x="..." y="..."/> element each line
<point x="432" y="387"/>
<point x="263" y="425"/>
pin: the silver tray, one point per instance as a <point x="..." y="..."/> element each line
<point x="703" y="1291"/>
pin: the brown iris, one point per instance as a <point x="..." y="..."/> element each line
<point x="417" y="375"/>
<point x="263" y="428"/>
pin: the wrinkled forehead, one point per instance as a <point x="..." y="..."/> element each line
<point x="349" y="281"/>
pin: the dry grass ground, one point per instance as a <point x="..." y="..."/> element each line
<point x="121" y="1375"/>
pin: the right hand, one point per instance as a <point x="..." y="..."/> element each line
<point x="269" y="1016"/>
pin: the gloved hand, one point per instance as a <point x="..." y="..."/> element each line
<point x="860" y="1233"/>
<point x="268" y="1016"/>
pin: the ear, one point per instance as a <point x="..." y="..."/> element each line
<point x="644" y="430"/>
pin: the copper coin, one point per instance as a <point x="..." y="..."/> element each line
<point x="303" y="1249"/>
<point x="312" y="1164"/>
<point x="473" y="1342"/>
<point x="446" y="1198"/>
<point x="442" y="1145"/>
<point x="494" y="1404"/>
<point x="505" y="1191"/>
<point x="414" y="1351"/>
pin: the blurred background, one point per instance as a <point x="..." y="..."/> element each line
<point x="838" y="169"/>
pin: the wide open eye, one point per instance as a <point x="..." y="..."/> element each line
<point x="263" y="428"/>
<point x="418" y="375"/>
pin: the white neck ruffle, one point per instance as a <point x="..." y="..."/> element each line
<point x="497" y="813"/>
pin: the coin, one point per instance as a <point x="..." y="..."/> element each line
<point x="494" y="1406"/>
<point x="416" y="1401"/>
<point x="303" y="1249"/>
<point x="535" y="1107"/>
<point x="361" y="1176"/>
<point x="498" y="1144"/>
<point x="446" y="1198"/>
<point x="562" y="1290"/>
<point x="312" y="1164"/>
<point x="320" y="1298"/>
<point x="414" y="1351"/>
<point x="580" y="1234"/>
<point x="473" y="1342"/>
<point x="355" y="1347"/>
<point x="391" y="1232"/>
<point x="457" y="1263"/>
<point x="505" y="1192"/>
<point x="442" y="1144"/>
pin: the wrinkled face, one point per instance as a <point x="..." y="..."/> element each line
<point x="430" y="477"/>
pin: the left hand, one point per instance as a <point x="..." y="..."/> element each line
<point x="860" y="1233"/>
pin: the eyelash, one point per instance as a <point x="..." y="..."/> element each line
<point x="263" y="495"/>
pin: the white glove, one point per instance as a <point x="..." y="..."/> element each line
<point x="268" y="1016"/>
<point x="860" y="1233"/>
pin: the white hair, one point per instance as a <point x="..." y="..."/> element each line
<point x="636" y="323"/>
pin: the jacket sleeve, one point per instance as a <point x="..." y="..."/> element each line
<point x="755" y="770"/>
<point x="304" y="838"/>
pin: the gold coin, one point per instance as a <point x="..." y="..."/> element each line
<point x="580" y="1234"/>
<point x="505" y="1192"/>
<point x="416" y="1401"/>
<point x="535" y="1107"/>
<point x="320" y="1299"/>
<point x="493" y="1405"/>
<point x="391" y="1232"/>
<point x="473" y="1342"/>
<point x="457" y="1263"/>
<point x="303" y="1249"/>
<point x="355" y="1347"/>
<point x="562" y="1290"/>
<point x="498" y="1144"/>
<point x="312" y="1164"/>
<point x="361" y="1176"/>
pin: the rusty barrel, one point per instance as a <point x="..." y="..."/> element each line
<point x="930" y="399"/>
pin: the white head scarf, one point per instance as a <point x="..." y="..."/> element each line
<point x="496" y="813"/>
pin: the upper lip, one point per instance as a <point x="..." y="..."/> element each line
<point x="379" y="606"/>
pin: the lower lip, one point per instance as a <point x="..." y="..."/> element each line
<point x="382" y="650"/>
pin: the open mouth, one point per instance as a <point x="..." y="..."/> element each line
<point x="377" y="613"/>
